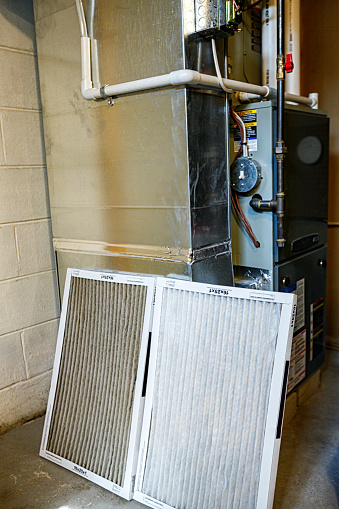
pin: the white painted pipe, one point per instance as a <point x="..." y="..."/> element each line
<point x="244" y="97"/>
<point x="86" y="82"/>
<point x="94" y="45"/>
<point x="311" y="100"/>
<point x="315" y="100"/>
<point x="298" y="99"/>
<point x="269" y="43"/>
<point x="292" y="44"/>
<point x="95" y="63"/>
<point x="247" y="91"/>
<point x="175" y="78"/>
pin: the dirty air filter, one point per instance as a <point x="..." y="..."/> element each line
<point x="95" y="406"/>
<point x="215" y="397"/>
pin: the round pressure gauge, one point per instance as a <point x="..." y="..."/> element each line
<point x="245" y="174"/>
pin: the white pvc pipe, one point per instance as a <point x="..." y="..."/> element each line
<point x="175" y="78"/>
<point x="193" y="78"/>
<point x="95" y="63"/>
<point x="86" y="82"/>
<point x="314" y="96"/>
<point x="269" y="43"/>
<point x="311" y="100"/>
<point x="292" y="44"/>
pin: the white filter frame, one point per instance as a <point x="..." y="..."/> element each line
<point x="277" y="391"/>
<point x="126" y="490"/>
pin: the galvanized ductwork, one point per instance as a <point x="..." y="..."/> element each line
<point x="142" y="186"/>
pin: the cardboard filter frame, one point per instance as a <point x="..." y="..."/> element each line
<point x="276" y="391"/>
<point x="124" y="490"/>
<point x="141" y="420"/>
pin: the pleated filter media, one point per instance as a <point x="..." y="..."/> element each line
<point x="215" y="397"/>
<point x="95" y="407"/>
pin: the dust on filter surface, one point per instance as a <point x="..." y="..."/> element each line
<point x="211" y="393"/>
<point x="92" y="409"/>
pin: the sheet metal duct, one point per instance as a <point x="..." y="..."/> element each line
<point x="142" y="186"/>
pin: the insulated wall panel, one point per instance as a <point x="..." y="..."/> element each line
<point x="214" y="361"/>
<point x="94" y="397"/>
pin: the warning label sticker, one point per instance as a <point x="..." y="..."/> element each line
<point x="249" y="117"/>
<point x="297" y="370"/>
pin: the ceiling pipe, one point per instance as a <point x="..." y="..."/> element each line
<point x="311" y="101"/>
<point x="175" y="78"/>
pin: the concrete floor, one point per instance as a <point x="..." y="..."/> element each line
<point x="308" y="474"/>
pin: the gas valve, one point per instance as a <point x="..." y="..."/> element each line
<point x="289" y="64"/>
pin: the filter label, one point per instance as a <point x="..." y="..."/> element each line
<point x="249" y="117"/>
<point x="80" y="470"/>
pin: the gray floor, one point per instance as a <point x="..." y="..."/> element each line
<point x="308" y="474"/>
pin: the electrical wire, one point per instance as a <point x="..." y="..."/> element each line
<point x="82" y="18"/>
<point x="234" y="196"/>
<point x="217" y="68"/>
<point x="244" y="143"/>
<point x="243" y="148"/>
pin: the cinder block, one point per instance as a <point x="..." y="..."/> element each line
<point x="23" y="195"/>
<point x="307" y="388"/>
<point x="290" y="408"/>
<point x="23" y="138"/>
<point x="28" y="301"/>
<point x="39" y="344"/>
<point x="17" y="25"/>
<point x="12" y="366"/>
<point x="23" y="401"/>
<point x="35" y="247"/>
<point x="18" y="80"/>
<point x="8" y="255"/>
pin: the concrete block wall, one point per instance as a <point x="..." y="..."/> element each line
<point x="28" y="291"/>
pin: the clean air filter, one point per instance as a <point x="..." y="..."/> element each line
<point x="94" y="413"/>
<point x="214" y="403"/>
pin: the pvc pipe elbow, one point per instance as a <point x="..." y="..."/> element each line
<point x="246" y="97"/>
<point x="87" y="90"/>
<point x="184" y="77"/>
<point x="314" y="97"/>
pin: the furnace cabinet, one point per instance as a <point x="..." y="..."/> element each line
<point x="300" y="266"/>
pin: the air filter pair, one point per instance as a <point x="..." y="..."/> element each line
<point x="215" y="393"/>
